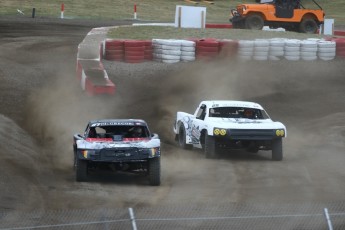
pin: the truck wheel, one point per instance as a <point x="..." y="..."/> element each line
<point x="154" y="171"/>
<point x="182" y="138"/>
<point x="210" y="147"/>
<point x="81" y="170"/>
<point x="277" y="149"/>
<point x="308" y="25"/>
<point x="254" y="22"/>
<point x="75" y="162"/>
<point x="238" y="25"/>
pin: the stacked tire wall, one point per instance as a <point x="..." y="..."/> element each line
<point x="173" y="51"/>
<point x="114" y="50"/>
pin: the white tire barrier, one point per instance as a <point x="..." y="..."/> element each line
<point x="172" y="51"/>
<point x="308" y="50"/>
<point x="187" y="51"/>
<point x="292" y="49"/>
<point x="261" y="49"/>
<point x="276" y="49"/>
<point x="166" y="50"/>
<point x="326" y="50"/>
<point x="245" y="50"/>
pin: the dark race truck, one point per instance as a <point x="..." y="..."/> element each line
<point x="117" y="145"/>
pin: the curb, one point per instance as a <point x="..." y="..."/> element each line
<point x="229" y="26"/>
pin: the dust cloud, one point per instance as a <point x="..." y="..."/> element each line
<point x="304" y="96"/>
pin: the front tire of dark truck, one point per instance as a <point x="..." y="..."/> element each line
<point x="277" y="149"/>
<point x="81" y="170"/>
<point x="154" y="171"/>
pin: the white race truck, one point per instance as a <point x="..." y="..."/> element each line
<point x="225" y="124"/>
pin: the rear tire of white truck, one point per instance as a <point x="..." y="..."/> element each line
<point x="182" y="138"/>
<point x="210" y="147"/>
<point x="277" y="149"/>
<point x="81" y="170"/>
<point x="154" y="171"/>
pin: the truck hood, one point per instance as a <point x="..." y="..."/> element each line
<point x="85" y="144"/>
<point x="244" y="123"/>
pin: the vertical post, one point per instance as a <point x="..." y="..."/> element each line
<point x="179" y="17"/>
<point x="135" y="11"/>
<point x="330" y="227"/>
<point x="131" y="214"/>
<point x="202" y="19"/>
<point x="62" y="9"/>
<point x="33" y="12"/>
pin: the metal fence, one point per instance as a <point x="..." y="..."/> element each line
<point x="225" y="216"/>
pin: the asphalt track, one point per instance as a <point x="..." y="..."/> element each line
<point x="42" y="106"/>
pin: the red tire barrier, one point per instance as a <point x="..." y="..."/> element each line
<point x="113" y="43"/>
<point x="207" y="49"/>
<point x="133" y="43"/>
<point x="114" y="50"/>
<point x="340" y="47"/>
<point x="148" y="52"/>
<point x="134" y="51"/>
<point x="228" y="48"/>
<point x="211" y="49"/>
<point x="134" y="48"/>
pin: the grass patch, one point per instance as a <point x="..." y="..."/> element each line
<point x="148" y="10"/>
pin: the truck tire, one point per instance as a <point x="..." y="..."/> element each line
<point x="277" y="149"/>
<point x="237" y="25"/>
<point x="154" y="171"/>
<point x="210" y="147"/>
<point x="81" y="170"/>
<point x="182" y="138"/>
<point x="254" y="22"/>
<point x="308" y="26"/>
<point x="75" y="162"/>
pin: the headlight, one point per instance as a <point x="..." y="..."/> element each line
<point x="87" y="152"/>
<point x="155" y="152"/>
<point x="280" y="132"/>
<point x="219" y="132"/>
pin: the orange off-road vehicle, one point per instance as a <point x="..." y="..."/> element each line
<point x="288" y="14"/>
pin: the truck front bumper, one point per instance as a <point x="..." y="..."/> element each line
<point x="119" y="154"/>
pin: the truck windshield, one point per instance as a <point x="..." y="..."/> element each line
<point x="238" y="112"/>
<point x="126" y="131"/>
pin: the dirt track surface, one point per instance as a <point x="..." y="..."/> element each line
<point x="43" y="106"/>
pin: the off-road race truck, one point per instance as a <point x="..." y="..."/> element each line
<point x="225" y="125"/>
<point x="117" y="145"/>
<point x="289" y="14"/>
